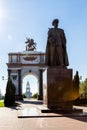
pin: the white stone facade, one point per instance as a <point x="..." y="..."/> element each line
<point x="21" y="64"/>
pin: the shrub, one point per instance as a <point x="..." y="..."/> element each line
<point x="35" y="95"/>
<point x="24" y="96"/>
<point x="10" y="94"/>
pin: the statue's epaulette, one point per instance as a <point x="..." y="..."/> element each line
<point x="60" y="29"/>
<point x="50" y="29"/>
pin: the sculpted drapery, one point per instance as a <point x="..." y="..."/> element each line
<point x="56" y="54"/>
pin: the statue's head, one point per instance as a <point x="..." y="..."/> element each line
<point x="55" y="21"/>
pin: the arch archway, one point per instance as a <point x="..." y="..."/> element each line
<point x="32" y="79"/>
<point x="26" y="63"/>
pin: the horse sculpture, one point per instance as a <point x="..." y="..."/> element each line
<point x="31" y="45"/>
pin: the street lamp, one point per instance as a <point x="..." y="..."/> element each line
<point x="3" y="78"/>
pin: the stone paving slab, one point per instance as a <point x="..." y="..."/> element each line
<point x="36" y="113"/>
<point x="9" y="120"/>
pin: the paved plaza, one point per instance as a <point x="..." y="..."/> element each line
<point x="48" y="121"/>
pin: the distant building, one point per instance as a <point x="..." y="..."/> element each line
<point x="28" y="94"/>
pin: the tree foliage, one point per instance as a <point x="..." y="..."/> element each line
<point x="76" y="84"/>
<point x="35" y="95"/>
<point x="82" y="99"/>
<point x="10" y="94"/>
<point x="83" y="89"/>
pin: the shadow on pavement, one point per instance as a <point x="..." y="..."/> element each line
<point x="80" y="116"/>
<point x="77" y="116"/>
<point x="35" y="102"/>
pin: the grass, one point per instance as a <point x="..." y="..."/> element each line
<point x="1" y="103"/>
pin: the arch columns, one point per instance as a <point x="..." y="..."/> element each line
<point x="40" y="95"/>
<point x="19" y="85"/>
<point x="9" y="73"/>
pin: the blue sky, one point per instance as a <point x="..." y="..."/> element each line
<point x="32" y="18"/>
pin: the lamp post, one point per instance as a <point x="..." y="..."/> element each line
<point x="3" y="78"/>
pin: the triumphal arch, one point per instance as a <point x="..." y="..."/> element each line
<point x="29" y="61"/>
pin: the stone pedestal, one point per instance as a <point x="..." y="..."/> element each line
<point x="57" y="88"/>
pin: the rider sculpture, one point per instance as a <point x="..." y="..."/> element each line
<point x="31" y="45"/>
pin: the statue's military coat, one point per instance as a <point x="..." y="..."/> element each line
<point x="56" y="54"/>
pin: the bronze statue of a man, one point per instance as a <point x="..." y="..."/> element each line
<point x="56" y="54"/>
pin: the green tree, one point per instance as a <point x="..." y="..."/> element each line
<point x="76" y="85"/>
<point x="35" y="95"/>
<point x="10" y="93"/>
<point x="83" y="89"/>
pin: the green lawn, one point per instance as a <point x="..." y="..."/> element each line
<point x="1" y="103"/>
